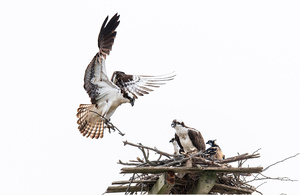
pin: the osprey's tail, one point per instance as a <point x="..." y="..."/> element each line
<point x="90" y="123"/>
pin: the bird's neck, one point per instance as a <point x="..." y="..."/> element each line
<point x="181" y="131"/>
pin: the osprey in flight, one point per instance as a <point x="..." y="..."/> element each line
<point x="188" y="139"/>
<point x="106" y="95"/>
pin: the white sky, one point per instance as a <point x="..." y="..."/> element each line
<point x="238" y="81"/>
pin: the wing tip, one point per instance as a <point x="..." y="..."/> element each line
<point x="107" y="33"/>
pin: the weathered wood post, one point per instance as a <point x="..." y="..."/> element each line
<point x="164" y="184"/>
<point x="205" y="183"/>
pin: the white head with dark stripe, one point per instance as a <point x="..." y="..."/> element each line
<point x="177" y="123"/>
<point x="212" y="143"/>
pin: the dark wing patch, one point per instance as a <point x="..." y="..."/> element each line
<point x="139" y="85"/>
<point x="197" y="139"/>
<point x="178" y="142"/>
<point x="89" y="86"/>
<point x="215" y="152"/>
<point x="107" y="35"/>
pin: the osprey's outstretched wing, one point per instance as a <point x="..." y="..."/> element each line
<point x="139" y="85"/>
<point x="96" y="70"/>
<point x="97" y="84"/>
<point x="107" y="35"/>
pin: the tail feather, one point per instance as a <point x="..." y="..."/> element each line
<point x="89" y="123"/>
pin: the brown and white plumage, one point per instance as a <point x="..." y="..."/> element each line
<point x="188" y="139"/>
<point x="177" y="149"/>
<point x="106" y="95"/>
<point x="214" y="152"/>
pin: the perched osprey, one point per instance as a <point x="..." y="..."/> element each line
<point x="106" y="95"/>
<point x="188" y="139"/>
<point x="176" y="146"/>
<point x="214" y="152"/>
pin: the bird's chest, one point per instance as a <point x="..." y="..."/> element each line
<point x="185" y="141"/>
<point x="183" y="136"/>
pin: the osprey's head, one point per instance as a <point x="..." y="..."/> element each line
<point x="116" y="75"/>
<point x="120" y="79"/>
<point x="211" y="142"/>
<point x="176" y="122"/>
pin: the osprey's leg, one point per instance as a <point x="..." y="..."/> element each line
<point x="194" y="151"/>
<point x="105" y="110"/>
<point x="187" y="154"/>
<point x="184" y="153"/>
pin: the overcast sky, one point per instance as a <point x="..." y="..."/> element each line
<point x="238" y="81"/>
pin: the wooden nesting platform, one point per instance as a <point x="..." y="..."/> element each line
<point x="191" y="169"/>
<point x="200" y="180"/>
<point x="180" y="174"/>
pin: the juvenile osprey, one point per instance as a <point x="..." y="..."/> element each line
<point x="214" y="152"/>
<point x="106" y="95"/>
<point x="176" y="146"/>
<point x="188" y="139"/>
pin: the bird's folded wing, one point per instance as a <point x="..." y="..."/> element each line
<point x="197" y="139"/>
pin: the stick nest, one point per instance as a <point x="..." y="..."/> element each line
<point x="227" y="182"/>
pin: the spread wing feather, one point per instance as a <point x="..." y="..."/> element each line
<point x="95" y="73"/>
<point x="139" y="85"/>
<point x="107" y="35"/>
<point x="96" y="82"/>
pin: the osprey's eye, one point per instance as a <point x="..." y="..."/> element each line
<point x="179" y="123"/>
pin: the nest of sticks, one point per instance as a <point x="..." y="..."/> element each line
<point x="226" y="182"/>
<point x="228" y="179"/>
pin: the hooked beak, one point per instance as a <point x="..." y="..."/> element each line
<point x="132" y="101"/>
<point x="173" y="124"/>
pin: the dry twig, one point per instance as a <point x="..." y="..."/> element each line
<point x="109" y="125"/>
<point x="280" y="161"/>
<point x="153" y="149"/>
